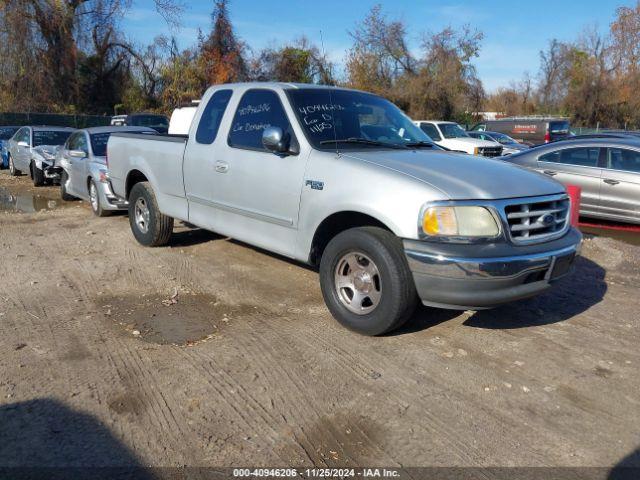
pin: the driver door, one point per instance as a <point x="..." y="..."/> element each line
<point x="77" y="166"/>
<point x="254" y="194"/>
<point x="22" y="155"/>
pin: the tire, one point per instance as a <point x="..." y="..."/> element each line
<point x="13" y="171"/>
<point x="394" y="284"/>
<point x="159" y="227"/>
<point x="37" y="175"/>
<point x="63" y="190"/>
<point x="94" y="201"/>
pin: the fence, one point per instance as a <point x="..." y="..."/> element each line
<point x="53" y="119"/>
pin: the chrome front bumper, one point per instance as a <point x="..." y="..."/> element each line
<point x="468" y="283"/>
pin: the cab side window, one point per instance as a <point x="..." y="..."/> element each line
<point x="212" y="116"/>
<point x="258" y="110"/>
<point x="581" y="157"/>
<point x="625" y="160"/>
<point x="431" y="130"/>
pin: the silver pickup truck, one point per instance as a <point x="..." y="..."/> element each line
<point x="343" y="180"/>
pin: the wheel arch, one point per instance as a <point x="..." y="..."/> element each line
<point x="337" y="223"/>
<point x="133" y="177"/>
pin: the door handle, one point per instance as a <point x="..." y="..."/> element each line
<point x="551" y="173"/>
<point x="222" y="167"/>
<point x="611" y="182"/>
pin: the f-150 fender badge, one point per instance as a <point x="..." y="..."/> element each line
<point x="315" y="184"/>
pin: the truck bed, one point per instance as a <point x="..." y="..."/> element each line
<point x="156" y="157"/>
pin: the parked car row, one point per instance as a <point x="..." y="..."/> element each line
<point x="388" y="209"/>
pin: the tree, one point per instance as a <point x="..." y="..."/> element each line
<point x="300" y="62"/>
<point x="222" y="54"/>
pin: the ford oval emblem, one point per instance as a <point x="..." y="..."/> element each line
<point x="548" y="220"/>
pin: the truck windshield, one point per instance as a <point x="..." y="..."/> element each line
<point x="52" y="137"/>
<point x="452" y="130"/>
<point x="357" y="120"/>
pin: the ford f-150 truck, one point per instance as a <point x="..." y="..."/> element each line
<point x="343" y="180"/>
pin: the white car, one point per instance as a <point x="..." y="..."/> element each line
<point x="453" y="137"/>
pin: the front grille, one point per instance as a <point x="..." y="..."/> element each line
<point x="490" y="151"/>
<point x="538" y="221"/>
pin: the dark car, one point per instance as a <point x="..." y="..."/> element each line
<point x="529" y="130"/>
<point x="5" y="135"/>
<point x="159" y="123"/>
<point x="510" y="146"/>
<point x="607" y="169"/>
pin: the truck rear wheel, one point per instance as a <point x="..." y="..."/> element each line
<point x="150" y="227"/>
<point x="366" y="282"/>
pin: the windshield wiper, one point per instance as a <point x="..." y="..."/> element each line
<point x="421" y="143"/>
<point x="364" y="141"/>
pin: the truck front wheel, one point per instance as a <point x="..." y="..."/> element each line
<point x="150" y="227"/>
<point x="366" y="282"/>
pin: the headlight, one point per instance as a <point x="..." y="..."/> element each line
<point x="463" y="221"/>
<point x="476" y="150"/>
<point x="48" y="156"/>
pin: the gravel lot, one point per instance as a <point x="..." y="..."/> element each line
<point x="212" y="353"/>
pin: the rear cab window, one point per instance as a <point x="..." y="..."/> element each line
<point x="212" y="117"/>
<point x="581" y="157"/>
<point x="258" y="110"/>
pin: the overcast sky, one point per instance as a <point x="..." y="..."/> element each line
<point x="515" y="31"/>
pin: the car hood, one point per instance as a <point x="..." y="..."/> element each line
<point x="463" y="177"/>
<point x="49" y="149"/>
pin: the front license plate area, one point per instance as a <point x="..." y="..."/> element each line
<point x="562" y="266"/>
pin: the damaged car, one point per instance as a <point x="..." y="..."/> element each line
<point x="34" y="150"/>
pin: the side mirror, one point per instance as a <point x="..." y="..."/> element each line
<point x="275" y="140"/>
<point x="77" y="154"/>
<point x="23" y="144"/>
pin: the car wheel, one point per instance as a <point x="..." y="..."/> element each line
<point x="94" y="200"/>
<point x="13" y="171"/>
<point x="366" y="282"/>
<point x="37" y="175"/>
<point x="150" y="227"/>
<point x="64" y="178"/>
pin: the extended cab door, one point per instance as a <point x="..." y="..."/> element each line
<point x="251" y="194"/>
<point x="620" y="189"/>
<point x="576" y="166"/>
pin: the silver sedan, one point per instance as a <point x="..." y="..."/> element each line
<point x="606" y="169"/>
<point x="85" y="171"/>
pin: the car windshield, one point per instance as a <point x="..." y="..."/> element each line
<point x="50" y="137"/>
<point x="355" y="119"/>
<point x="502" y="138"/>
<point x="7" y="132"/>
<point x="152" y="121"/>
<point x="559" y="127"/>
<point x="452" y="130"/>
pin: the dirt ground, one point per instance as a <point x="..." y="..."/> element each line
<point x="211" y="353"/>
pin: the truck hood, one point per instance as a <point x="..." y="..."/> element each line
<point x="463" y="177"/>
